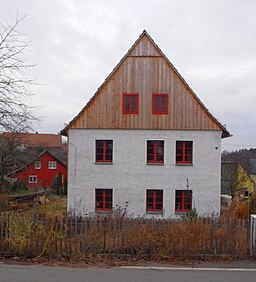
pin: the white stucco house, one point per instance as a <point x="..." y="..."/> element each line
<point x="145" y="142"/>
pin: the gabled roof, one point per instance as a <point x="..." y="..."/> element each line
<point x="151" y="50"/>
<point x="35" y="159"/>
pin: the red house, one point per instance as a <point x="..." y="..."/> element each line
<point x="41" y="172"/>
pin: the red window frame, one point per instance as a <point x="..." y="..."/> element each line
<point x="184" y="152"/>
<point x="154" y="200"/>
<point x="155" y="151"/>
<point x="103" y="199"/>
<point x="104" y="151"/>
<point x="183" y="200"/>
<point x="160" y="103"/>
<point x="130" y="103"/>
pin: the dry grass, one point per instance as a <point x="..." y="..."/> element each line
<point x="47" y="231"/>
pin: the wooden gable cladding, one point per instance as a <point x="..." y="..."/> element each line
<point x="145" y="70"/>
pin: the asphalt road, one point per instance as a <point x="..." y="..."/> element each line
<point x="40" y="273"/>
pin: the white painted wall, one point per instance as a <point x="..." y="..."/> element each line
<point x="129" y="176"/>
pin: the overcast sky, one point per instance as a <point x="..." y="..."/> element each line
<point x="77" y="43"/>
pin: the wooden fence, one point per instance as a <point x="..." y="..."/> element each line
<point x="39" y="235"/>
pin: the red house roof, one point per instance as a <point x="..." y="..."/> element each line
<point x="32" y="140"/>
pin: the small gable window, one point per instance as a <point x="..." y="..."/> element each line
<point x="52" y="165"/>
<point x="104" y="151"/>
<point x="32" y="179"/>
<point x="160" y="103"/>
<point x="130" y="103"/>
<point x="37" y="165"/>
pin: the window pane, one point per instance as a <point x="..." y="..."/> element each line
<point x="150" y="193"/>
<point x="127" y="103"/>
<point x="160" y="158"/>
<point x="133" y="103"/>
<point x="99" y="205"/>
<point x="109" y="205"/>
<point x="100" y="157"/>
<point x="163" y="103"/>
<point x="109" y="157"/>
<point x="159" y="193"/>
<point x="156" y="103"/>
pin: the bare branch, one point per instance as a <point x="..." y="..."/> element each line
<point x="15" y="86"/>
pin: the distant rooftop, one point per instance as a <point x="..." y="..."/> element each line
<point x="32" y="140"/>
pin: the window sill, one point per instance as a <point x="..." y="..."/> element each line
<point x="182" y="212"/>
<point x="155" y="164"/>
<point x="154" y="212"/>
<point x="183" y="164"/>
<point x="104" y="211"/>
<point x="103" y="163"/>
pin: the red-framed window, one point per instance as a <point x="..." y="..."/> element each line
<point x="154" y="200"/>
<point x="184" y="152"/>
<point x="130" y="103"/>
<point x="160" y="103"/>
<point x="104" y="150"/>
<point x="183" y="200"/>
<point x="103" y="199"/>
<point x="155" y="151"/>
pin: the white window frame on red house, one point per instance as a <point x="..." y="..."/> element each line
<point x="32" y="179"/>
<point x="52" y="165"/>
<point x="37" y="164"/>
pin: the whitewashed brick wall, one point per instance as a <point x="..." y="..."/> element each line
<point x="129" y="176"/>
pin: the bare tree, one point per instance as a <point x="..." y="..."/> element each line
<point x="15" y="87"/>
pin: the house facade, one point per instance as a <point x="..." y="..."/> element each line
<point x="235" y="180"/>
<point x="41" y="171"/>
<point x="144" y="142"/>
